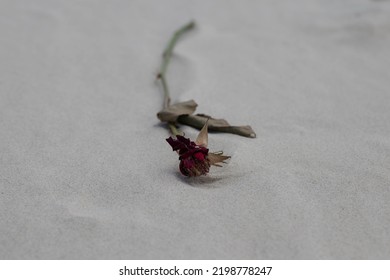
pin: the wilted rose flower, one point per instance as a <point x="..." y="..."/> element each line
<point x="195" y="158"/>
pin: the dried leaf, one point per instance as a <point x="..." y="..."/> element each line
<point x="202" y="139"/>
<point x="218" y="125"/>
<point x="216" y="158"/>
<point x="171" y="113"/>
<point x="213" y="122"/>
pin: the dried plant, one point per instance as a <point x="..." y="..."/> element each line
<point x="195" y="158"/>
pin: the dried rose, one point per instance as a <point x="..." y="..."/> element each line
<point x="195" y="158"/>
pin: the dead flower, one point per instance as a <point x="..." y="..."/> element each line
<point x="195" y="158"/>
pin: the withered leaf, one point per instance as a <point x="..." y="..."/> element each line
<point x="203" y="138"/>
<point x="171" y="113"/>
<point x="218" y="125"/>
<point x="216" y="158"/>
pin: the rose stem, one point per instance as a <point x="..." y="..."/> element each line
<point x="163" y="70"/>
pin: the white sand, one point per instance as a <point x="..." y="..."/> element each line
<point x="85" y="171"/>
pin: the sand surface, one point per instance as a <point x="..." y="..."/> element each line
<point x="85" y="172"/>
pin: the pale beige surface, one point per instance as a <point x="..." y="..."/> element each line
<point x="85" y="171"/>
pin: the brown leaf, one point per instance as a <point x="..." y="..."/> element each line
<point x="213" y="122"/>
<point x="171" y="113"/>
<point x="216" y="158"/>
<point x="202" y="139"/>
<point x="218" y="125"/>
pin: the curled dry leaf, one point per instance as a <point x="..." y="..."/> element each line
<point x="203" y="138"/>
<point x="216" y="158"/>
<point x="182" y="112"/>
<point x="218" y="125"/>
<point x="172" y="112"/>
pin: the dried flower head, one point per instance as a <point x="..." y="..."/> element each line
<point x="195" y="158"/>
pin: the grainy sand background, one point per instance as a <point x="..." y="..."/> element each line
<point x="85" y="171"/>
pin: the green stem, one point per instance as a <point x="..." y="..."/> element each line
<point x="174" y="130"/>
<point x="164" y="66"/>
<point x="167" y="58"/>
